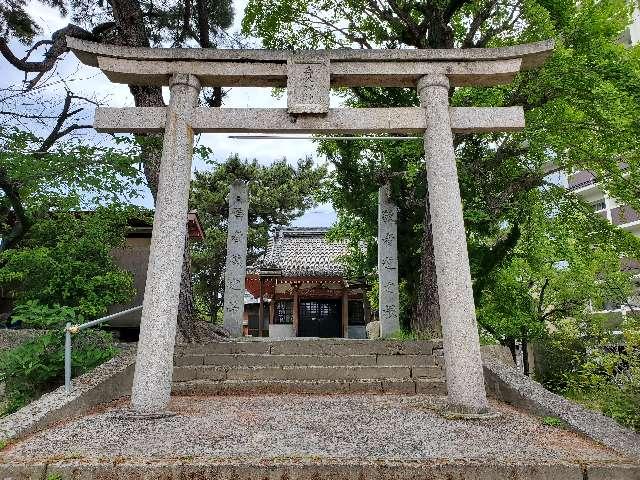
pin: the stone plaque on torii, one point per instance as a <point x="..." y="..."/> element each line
<point x="308" y="77"/>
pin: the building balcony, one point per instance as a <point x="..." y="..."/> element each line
<point x="581" y="180"/>
<point x="624" y="215"/>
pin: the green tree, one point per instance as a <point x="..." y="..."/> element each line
<point x="66" y="260"/>
<point x="136" y="23"/>
<point x="565" y="265"/>
<point x="38" y="176"/>
<point x="580" y="112"/>
<point x="278" y="194"/>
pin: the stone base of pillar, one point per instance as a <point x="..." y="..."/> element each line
<point x="136" y="415"/>
<point x="453" y="413"/>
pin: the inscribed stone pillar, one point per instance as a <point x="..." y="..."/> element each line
<point x="295" y="310"/>
<point x="345" y="313"/>
<point x="465" y="381"/>
<point x="388" y="295"/>
<point x="154" y="362"/>
<point x="236" y="268"/>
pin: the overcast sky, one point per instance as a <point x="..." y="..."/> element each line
<point x="91" y="83"/>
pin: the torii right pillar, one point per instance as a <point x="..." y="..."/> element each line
<point x="461" y="342"/>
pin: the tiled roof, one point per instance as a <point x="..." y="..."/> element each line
<point x="304" y="251"/>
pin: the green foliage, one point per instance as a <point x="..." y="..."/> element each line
<point x="409" y="335"/>
<point x="620" y="403"/>
<point x="65" y="260"/>
<point x="38" y="365"/>
<point x="69" y="176"/>
<point x="556" y="355"/>
<point x="32" y="314"/>
<point x="70" y="173"/>
<point x="564" y="265"/>
<point x="554" y="422"/>
<point x="15" y="20"/>
<point x="595" y="367"/>
<point x="580" y="112"/>
<point x="279" y="193"/>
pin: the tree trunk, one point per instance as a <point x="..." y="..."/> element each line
<point x="187" y="315"/>
<point x="511" y="343"/>
<point x="427" y="312"/>
<point x="525" y="354"/>
<point x="130" y="23"/>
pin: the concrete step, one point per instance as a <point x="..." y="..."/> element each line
<point x="314" y="346"/>
<point x="269" y="360"/>
<point x="209" y="372"/>
<point x="300" y="467"/>
<point x="243" y="387"/>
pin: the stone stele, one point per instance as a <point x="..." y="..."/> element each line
<point x="388" y="295"/>
<point x="236" y="266"/>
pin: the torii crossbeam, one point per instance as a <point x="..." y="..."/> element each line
<point x="308" y="77"/>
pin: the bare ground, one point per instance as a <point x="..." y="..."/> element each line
<point x="305" y="428"/>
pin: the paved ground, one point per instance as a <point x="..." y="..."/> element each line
<point x="307" y="428"/>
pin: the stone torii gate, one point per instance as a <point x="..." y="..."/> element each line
<point x="308" y="77"/>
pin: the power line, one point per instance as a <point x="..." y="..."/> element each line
<point x="286" y="137"/>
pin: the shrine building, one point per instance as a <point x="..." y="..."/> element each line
<point x="303" y="280"/>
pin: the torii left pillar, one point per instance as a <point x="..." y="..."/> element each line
<point x="154" y="362"/>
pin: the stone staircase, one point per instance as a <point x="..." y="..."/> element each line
<point x="309" y="366"/>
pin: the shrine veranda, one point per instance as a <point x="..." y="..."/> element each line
<point x="308" y="77"/>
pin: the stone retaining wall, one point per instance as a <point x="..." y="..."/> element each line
<point x="507" y="385"/>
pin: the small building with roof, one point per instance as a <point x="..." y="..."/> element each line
<point x="134" y="257"/>
<point x="303" y="279"/>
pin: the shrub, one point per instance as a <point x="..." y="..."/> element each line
<point x="66" y="259"/>
<point x="557" y="356"/>
<point x="608" y="379"/>
<point x="33" y="314"/>
<point x="37" y="366"/>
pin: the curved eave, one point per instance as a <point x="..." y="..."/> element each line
<point x="532" y="54"/>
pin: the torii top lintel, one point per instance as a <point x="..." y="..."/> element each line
<point x="346" y="67"/>
<point x="308" y="76"/>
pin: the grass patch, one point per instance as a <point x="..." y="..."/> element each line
<point x="621" y="405"/>
<point x="555" y="422"/>
<point x="407" y="335"/>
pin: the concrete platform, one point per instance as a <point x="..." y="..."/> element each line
<point x="311" y="437"/>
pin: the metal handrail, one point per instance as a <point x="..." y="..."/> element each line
<point x="71" y="329"/>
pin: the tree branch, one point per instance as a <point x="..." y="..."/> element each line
<point x="541" y="297"/>
<point x="452" y="8"/>
<point x="58" y="131"/>
<point x="403" y="15"/>
<point x="22" y="223"/>
<point x="58" y="47"/>
<point x="477" y="22"/>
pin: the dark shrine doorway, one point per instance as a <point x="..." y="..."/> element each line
<point x="320" y="318"/>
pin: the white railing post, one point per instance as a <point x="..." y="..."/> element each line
<point x="67" y="358"/>
<point x="70" y="329"/>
